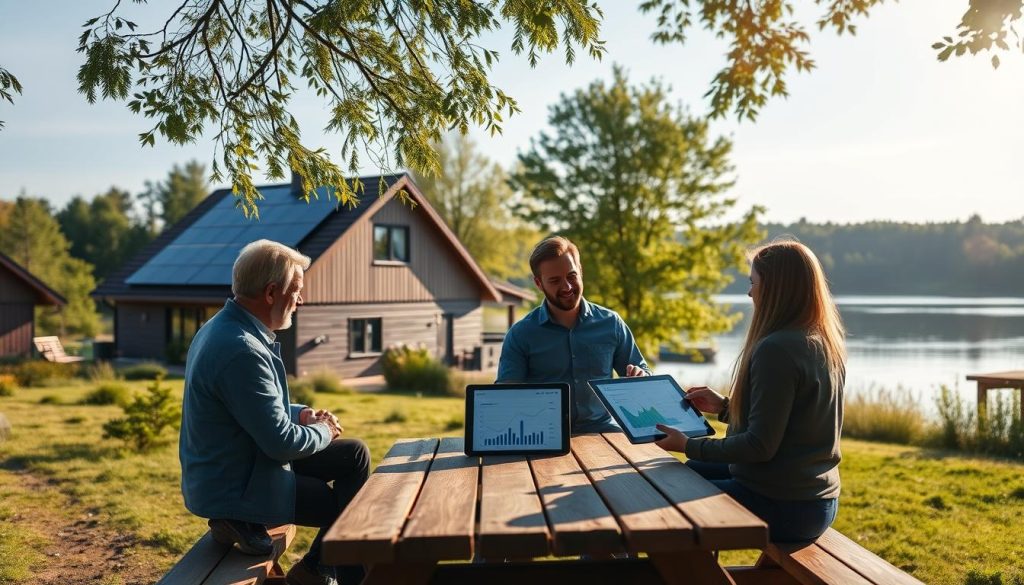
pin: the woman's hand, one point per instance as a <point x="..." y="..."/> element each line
<point x="674" y="441"/>
<point x="705" y="399"/>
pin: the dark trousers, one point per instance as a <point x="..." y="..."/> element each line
<point x="325" y="483"/>
<point x="788" y="520"/>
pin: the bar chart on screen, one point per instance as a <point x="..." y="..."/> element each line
<point x="510" y="420"/>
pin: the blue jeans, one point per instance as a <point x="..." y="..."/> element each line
<point x="788" y="520"/>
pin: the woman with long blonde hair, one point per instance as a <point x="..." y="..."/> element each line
<point x="780" y="456"/>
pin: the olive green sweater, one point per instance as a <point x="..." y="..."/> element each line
<point x="787" y="445"/>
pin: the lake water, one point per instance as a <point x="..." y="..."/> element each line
<point x="919" y="343"/>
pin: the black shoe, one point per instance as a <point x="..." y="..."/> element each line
<point x="252" y="539"/>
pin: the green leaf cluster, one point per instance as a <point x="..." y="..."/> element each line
<point x="765" y="42"/>
<point x="395" y="74"/>
<point x="146" y="418"/>
<point x="987" y="25"/>
<point x="637" y="183"/>
<point x="9" y="85"/>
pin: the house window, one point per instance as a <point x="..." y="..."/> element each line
<point x="391" y="243"/>
<point x="364" y="336"/>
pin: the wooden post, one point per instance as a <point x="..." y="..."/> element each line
<point x="982" y="400"/>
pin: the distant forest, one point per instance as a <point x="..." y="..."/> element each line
<point x="968" y="258"/>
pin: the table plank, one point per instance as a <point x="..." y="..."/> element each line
<point x="721" y="522"/>
<point x="441" y="525"/>
<point x="649" y="522"/>
<point x="1011" y="378"/>
<point x="512" y="523"/>
<point x="862" y="560"/>
<point x="369" y="527"/>
<point x="580" y="521"/>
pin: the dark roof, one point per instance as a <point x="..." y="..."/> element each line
<point x="314" y="244"/>
<point x="510" y="290"/>
<point x="44" y="294"/>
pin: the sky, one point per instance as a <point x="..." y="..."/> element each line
<point x="880" y="130"/>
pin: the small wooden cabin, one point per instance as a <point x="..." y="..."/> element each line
<point x="20" y="293"/>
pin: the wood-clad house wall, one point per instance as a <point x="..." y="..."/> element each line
<point x="141" y="330"/>
<point x="347" y="273"/>
<point x="17" y="321"/>
<point x="412" y="300"/>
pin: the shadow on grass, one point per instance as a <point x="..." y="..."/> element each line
<point x="61" y="452"/>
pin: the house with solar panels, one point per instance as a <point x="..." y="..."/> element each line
<point x="383" y="273"/>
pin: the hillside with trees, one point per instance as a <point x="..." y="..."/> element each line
<point x="968" y="258"/>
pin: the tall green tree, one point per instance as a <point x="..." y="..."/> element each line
<point x="32" y="237"/>
<point x="471" y="193"/>
<point x="638" y="184"/>
<point x="169" y="200"/>
<point x="104" y="232"/>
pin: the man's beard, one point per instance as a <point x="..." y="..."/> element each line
<point x="563" y="303"/>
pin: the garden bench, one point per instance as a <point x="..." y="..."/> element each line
<point x="210" y="563"/>
<point x="52" y="351"/>
<point x="834" y="559"/>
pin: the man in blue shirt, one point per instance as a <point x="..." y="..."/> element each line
<point x="250" y="458"/>
<point x="568" y="339"/>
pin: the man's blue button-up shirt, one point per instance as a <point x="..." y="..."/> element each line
<point x="538" y="349"/>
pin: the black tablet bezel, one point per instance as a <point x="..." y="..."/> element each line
<point x="596" y="385"/>
<point x="566" y="414"/>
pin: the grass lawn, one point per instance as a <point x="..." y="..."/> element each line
<point x="936" y="515"/>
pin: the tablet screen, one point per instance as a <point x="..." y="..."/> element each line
<point x="520" y="419"/>
<point x="643" y="402"/>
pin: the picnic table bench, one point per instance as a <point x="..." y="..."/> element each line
<point x="210" y="563"/>
<point x="427" y="503"/>
<point x="50" y="348"/>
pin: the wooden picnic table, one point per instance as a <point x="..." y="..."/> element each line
<point x="427" y="502"/>
<point x="986" y="382"/>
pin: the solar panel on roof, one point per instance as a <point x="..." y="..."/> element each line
<point x="205" y="251"/>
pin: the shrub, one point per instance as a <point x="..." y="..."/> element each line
<point x="176" y="351"/>
<point x="50" y="399"/>
<point x="891" y="417"/>
<point x="454" y="423"/>
<point x="396" y="416"/>
<point x="458" y="380"/>
<point x="146" y="418"/>
<point x="37" y="373"/>
<point x="328" y="382"/>
<point x="414" y="370"/>
<point x="144" y="371"/>
<point x="109" y="393"/>
<point x="100" y="372"/>
<point x="7" y="385"/>
<point x="74" y="420"/>
<point x="301" y="392"/>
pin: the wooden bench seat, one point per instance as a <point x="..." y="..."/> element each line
<point x="834" y="559"/>
<point x="52" y="351"/>
<point x="211" y="563"/>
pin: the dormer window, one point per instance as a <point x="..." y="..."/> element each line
<point x="391" y="243"/>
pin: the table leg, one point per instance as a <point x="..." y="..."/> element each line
<point x="982" y="400"/>
<point x="399" y="574"/>
<point x="690" y="566"/>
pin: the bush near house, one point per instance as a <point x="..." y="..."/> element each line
<point x="414" y="370"/>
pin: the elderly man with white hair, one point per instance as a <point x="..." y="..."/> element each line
<point x="249" y="457"/>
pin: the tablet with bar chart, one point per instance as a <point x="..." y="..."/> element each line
<point x="640" y="403"/>
<point x="510" y="419"/>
